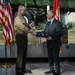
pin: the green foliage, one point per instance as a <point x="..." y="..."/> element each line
<point x="41" y="26"/>
<point x="70" y="25"/>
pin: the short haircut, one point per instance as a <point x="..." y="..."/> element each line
<point x="52" y="12"/>
<point x="19" y="7"/>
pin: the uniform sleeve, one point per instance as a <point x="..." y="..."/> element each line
<point x="20" y="25"/>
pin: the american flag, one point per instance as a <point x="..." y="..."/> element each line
<point x="1" y="12"/>
<point x="8" y="30"/>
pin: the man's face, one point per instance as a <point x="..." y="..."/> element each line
<point x="49" y="15"/>
<point x="23" y="11"/>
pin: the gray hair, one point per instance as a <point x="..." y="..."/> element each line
<point x="52" y="12"/>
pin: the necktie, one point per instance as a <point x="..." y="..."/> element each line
<point x="48" y="27"/>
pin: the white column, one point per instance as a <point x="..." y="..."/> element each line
<point x="48" y="7"/>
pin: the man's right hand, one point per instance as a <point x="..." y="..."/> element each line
<point x="31" y="24"/>
<point x="34" y="33"/>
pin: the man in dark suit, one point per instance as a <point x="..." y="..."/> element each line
<point x="54" y="31"/>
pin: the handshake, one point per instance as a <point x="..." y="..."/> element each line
<point x="37" y="34"/>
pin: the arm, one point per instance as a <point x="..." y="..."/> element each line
<point x="20" y="25"/>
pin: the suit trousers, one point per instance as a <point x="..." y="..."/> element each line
<point x="22" y="43"/>
<point x="53" y="57"/>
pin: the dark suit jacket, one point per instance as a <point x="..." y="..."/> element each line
<point x="55" y="31"/>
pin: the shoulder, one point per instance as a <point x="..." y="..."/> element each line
<point x="17" y="19"/>
<point x="56" y="21"/>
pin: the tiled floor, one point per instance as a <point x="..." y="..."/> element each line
<point x="67" y="68"/>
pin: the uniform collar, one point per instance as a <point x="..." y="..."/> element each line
<point x="20" y="15"/>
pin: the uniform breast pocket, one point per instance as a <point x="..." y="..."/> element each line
<point x="23" y="21"/>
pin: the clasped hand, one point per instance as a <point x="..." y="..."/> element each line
<point x="49" y="38"/>
<point x="34" y="33"/>
<point x="31" y="24"/>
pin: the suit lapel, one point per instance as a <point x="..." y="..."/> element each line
<point x="48" y="26"/>
<point x="51" y="26"/>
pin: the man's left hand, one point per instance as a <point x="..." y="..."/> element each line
<point x="49" y="38"/>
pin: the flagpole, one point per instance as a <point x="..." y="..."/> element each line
<point x="6" y="65"/>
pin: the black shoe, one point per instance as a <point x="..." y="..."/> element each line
<point x="49" y="72"/>
<point x="56" y="73"/>
<point x="27" y="71"/>
<point x="19" y="72"/>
